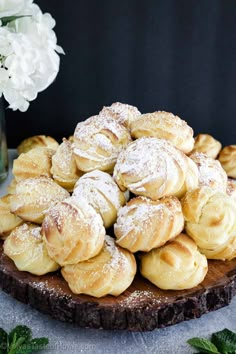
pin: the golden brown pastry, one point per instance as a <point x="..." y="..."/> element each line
<point x="34" y="163"/>
<point x="8" y="221"/>
<point x="144" y="224"/>
<point x="26" y="248"/>
<point x="35" y="142"/>
<point x="110" y="272"/>
<point x="227" y="159"/>
<point x="231" y="188"/>
<point x="11" y="188"/>
<point x="226" y="251"/>
<point x="73" y="231"/>
<point x="164" y="125"/>
<point x="123" y="113"/>
<point x="152" y="168"/>
<point x="210" y="220"/>
<point x="97" y="143"/>
<point x="207" y="145"/>
<point x="191" y="178"/>
<point x="64" y="169"/>
<point x="102" y="193"/>
<point x="34" y="196"/>
<point x="177" y="265"/>
<point x="211" y="173"/>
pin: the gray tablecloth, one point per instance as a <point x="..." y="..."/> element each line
<point x="70" y="339"/>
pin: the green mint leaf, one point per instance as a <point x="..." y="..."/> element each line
<point x="16" y="344"/>
<point x="33" y="345"/>
<point x="11" y="343"/>
<point x="3" y="341"/>
<point x="20" y="331"/>
<point x="38" y="344"/>
<point x="225" y="341"/>
<point x="203" y="345"/>
<point x="6" y="20"/>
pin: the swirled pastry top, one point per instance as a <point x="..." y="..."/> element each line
<point x="191" y="178"/>
<point x="164" y="125"/>
<point x="34" y="196"/>
<point x="34" y="163"/>
<point x="227" y="159"/>
<point x="8" y="221"/>
<point x="231" y="188"/>
<point x="64" y="169"/>
<point x="177" y="265"/>
<point x="99" y="189"/>
<point x="151" y="167"/>
<point x="211" y="173"/>
<point x="210" y="217"/>
<point x="11" y="188"/>
<point x="144" y="224"/>
<point x="35" y="142"/>
<point x="26" y="248"/>
<point x="97" y="143"/>
<point x="110" y="272"/>
<point x="224" y="252"/>
<point x="73" y="231"/>
<point x="207" y="145"/>
<point x="123" y="113"/>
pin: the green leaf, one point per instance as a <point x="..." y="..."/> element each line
<point x="225" y="341"/>
<point x="203" y="345"/>
<point x="16" y="344"/>
<point x="38" y="344"/>
<point x="20" y="331"/>
<point x="33" y="345"/>
<point x="20" y="341"/>
<point x="3" y="341"/>
<point x="6" y="20"/>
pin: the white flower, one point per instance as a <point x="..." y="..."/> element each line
<point x="13" y="7"/>
<point x="5" y="42"/>
<point x="4" y="77"/>
<point x="29" y="62"/>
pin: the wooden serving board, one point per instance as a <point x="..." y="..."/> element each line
<point x="141" y="307"/>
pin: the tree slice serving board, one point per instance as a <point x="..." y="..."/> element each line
<point x="141" y="307"/>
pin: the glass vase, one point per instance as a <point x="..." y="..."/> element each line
<point x="3" y="143"/>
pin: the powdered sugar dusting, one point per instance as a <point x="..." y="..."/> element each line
<point x="36" y="232"/>
<point x="123" y="113"/>
<point x="211" y="173"/>
<point x="45" y="288"/>
<point x="98" y="188"/>
<point x="231" y="188"/>
<point x="100" y="138"/>
<point x="63" y="162"/>
<point x="74" y="210"/>
<point x="41" y="191"/>
<point x="144" y="224"/>
<point x="149" y="160"/>
<point x="141" y="298"/>
<point x="116" y="254"/>
<point x="165" y="125"/>
<point x="135" y="216"/>
<point x="25" y="231"/>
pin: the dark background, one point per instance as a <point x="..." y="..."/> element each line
<point x="178" y="56"/>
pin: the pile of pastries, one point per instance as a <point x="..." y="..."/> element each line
<point x="127" y="192"/>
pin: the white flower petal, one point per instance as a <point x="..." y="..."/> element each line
<point x="13" y="7"/>
<point x="29" y="46"/>
<point x="59" y="50"/>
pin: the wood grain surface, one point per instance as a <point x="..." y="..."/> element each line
<point x="141" y="307"/>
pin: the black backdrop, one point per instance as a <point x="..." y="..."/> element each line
<point x="178" y="56"/>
